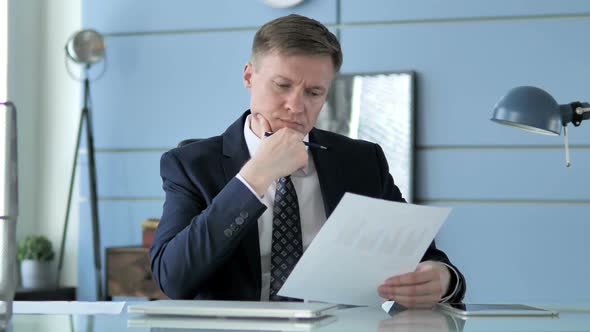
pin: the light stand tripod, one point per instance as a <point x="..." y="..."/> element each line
<point x="85" y="47"/>
<point x="86" y="117"/>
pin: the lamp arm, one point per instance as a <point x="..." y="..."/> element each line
<point x="584" y="111"/>
<point x="574" y="112"/>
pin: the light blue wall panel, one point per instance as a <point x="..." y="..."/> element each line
<point x="520" y="253"/>
<point x="498" y="174"/>
<point x="120" y="225"/>
<point x="161" y="89"/>
<point x="401" y="10"/>
<point x="455" y="174"/>
<point x="464" y="68"/>
<point x="124" y="174"/>
<point x="115" y="16"/>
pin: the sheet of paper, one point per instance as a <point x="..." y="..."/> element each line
<point x="364" y="242"/>
<point x="67" y="307"/>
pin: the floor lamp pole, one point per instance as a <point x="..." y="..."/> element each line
<point x="85" y="116"/>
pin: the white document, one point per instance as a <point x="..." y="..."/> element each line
<point x="67" y="307"/>
<point x="364" y="242"/>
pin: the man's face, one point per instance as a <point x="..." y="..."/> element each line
<point x="288" y="90"/>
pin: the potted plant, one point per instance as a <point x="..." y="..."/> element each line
<point x="35" y="254"/>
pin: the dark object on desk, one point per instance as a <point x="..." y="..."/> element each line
<point x="46" y="294"/>
<point x="148" y="228"/>
<point x="129" y="273"/>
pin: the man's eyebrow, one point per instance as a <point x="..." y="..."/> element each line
<point x="283" y="77"/>
<point x="317" y="87"/>
<point x="313" y="87"/>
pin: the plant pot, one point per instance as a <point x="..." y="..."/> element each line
<point x="36" y="274"/>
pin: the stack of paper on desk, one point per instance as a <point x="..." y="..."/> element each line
<point x="364" y="242"/>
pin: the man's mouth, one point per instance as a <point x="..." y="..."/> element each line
<point x="291" y="123"/>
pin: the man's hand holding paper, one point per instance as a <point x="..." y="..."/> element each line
<point x="363" y="244"/>
<point x="419" y="289"/>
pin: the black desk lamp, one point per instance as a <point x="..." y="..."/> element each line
<point x="85" y="47"/>
<point x="533" y="109"/>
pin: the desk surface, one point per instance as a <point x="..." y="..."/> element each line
<point x="349" y="319"/>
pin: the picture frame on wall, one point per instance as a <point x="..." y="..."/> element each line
<point x="377" y="107"/>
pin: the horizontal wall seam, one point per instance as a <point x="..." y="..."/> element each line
<point x="467" y="19"/>
<point x="418" y="148"/>
<point x="502" y="147"/>
<point x="358" y="24"/>
<point x="180" y="32"/>
<point x="84" y="199"/>
<point x="504" y="201"/>
<point x="126" y="150"/>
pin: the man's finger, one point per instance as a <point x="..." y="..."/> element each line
<point x="263" y="125"/>
<point x="432" y="287"/>
<point x="412" y="278"/>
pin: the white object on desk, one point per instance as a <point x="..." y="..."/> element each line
<point x="241" y="324"/>
<point x="68" y="307"/>
<point x="233" y="308"/>
<point x="364" y="242"/>
<point x="471" y="310"/>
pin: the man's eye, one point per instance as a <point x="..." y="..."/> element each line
<point x="282" y="85"/>
<point x="314" y="93"/>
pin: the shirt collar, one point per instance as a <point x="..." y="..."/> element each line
<point x="253" y="142"/>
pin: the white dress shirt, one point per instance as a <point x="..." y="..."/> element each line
<point x="311" y="207"/>
<point x="311" y="210"/>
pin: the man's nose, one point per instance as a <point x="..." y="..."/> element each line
<point x="295" y="102"/>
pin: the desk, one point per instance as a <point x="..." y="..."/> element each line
<point x="350" y="319"/>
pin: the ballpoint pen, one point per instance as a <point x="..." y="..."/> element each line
<point x="309" y="144"/>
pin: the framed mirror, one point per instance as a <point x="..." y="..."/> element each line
<point x="377" y="107"/>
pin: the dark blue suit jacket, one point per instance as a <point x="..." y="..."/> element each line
<point x="206" y="245"/>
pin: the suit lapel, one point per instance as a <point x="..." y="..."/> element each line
<point x="329" y="171"/>
<point x="235" y="155"/>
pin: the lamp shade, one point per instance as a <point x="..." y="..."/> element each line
<point x="529" y="108"/>
<point x="86" y="47"/>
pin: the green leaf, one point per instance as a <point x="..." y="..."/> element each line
<point x="35" y="247"/>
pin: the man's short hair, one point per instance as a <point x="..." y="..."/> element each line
<point x="296" y="34"/>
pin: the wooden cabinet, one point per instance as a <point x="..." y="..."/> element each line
<point x="129" y="274"/>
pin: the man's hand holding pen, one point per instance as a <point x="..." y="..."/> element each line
<point x="278" y="155"/>
<point x="308" y="144"/>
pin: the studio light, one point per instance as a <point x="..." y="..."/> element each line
<point x="86" y="48"/>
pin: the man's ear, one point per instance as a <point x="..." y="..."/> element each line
<point x="247" y="76"/>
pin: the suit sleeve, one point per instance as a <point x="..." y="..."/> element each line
<point x="193" y="238"/>
<point x="391" y="192"/>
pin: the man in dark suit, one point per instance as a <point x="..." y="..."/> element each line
<point x="242" y="207"/>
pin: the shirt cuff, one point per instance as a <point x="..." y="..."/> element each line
<point x="239" y="177"/>
<point x="456" y="289"/>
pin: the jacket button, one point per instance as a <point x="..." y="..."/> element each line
<point x="239" y="220"/>
<point x="228" y="232"/>
<point x="244" y="214"/>
<point x="234" y="227"/>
